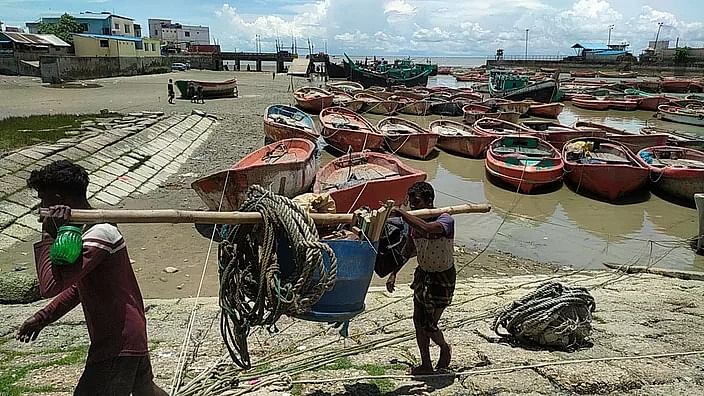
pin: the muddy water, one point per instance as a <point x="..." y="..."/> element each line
<point x="562" y="226"/>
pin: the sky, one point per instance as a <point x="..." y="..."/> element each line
<point x="405" y="27"/>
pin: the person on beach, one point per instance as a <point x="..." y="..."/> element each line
<point x="170" y="90"/>
<point x="101" y="280"/>
<point x="432" y="242"/>
<point x="192" y="92"/>
<point x="199" y="92"/>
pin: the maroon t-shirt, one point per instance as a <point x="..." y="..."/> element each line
<point x="101" y="280"/>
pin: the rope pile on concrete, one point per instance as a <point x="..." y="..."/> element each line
<point x="554" y="315"/>
<point x="253" y="290"/>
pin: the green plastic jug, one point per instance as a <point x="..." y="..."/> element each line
<point x="67" y="246"/>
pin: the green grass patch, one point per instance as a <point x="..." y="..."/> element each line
<point x="373" y="369"/>
<point x="385" y="385"/>
<point x="8" y="380"/>
<point x="343" y="363"/>
<point x="18" y="132"/>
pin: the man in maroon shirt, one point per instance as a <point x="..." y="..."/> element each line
<point x="101" y="280"/>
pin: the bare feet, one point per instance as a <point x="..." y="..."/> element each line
<point x="445" y="357"/>
<point x="420" y="370"/>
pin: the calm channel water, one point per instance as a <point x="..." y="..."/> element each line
<point x="562" y="226"/>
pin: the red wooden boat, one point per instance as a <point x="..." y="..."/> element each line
<point x="583" y="74"/>
<point x="546" y="110"/>
<point x="366" y="179"/>
<point x="495" y="127"/>
<point x="347" y="101"/>
<point x="467" y="96"/>
<point x="286" y="167"/>
<point x="407" y="105"/>
<point x="603" y="167"/>
<point x="474" y="112"/>
<point x="499" y="104"/>
<point x="633" y="140"/>
<point x="312" y="99"/>
<point x="675" y="85"/>
<point x="346" y="130"/>
<point x="676" y="171"/>
<point x="590" y="104"/>
<point x="377" y="105"/>
<point x="558" y="134"/>
<point x="524" y="162"/>
<point x="622" y="104"/>
<point x="460" y="139"/>
<point x="407" y="138"/>
<point x="649" y="103"/>
<point x="286" y="122"/>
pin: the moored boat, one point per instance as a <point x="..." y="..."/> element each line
<point x="622" y="104"/>
<point x="590" y="104"/>
<point x="649" y="103"/>
<point x="676" y="138"/>
<point x="285" y="122"/>
<point x="546" y="110"/>
<point x="347" y="101"/>
<point x="407" y="138"/>
<point x="413" y="106"/>
<point x="312" y="99"/>
<point x="615" y="74"/>
<point x="211" y="89"/>
<point x="633" y="140"/>
<point x="286" y="167"/>
<point x="603" y="167"/>
<point x="524" y="162"/>
<point x="583" y="73"/>
<point x="509" y="85"/>
<point x="681" y="115"/>
<point x="558" y="134"/>
<point x="349" y="87"/>
<point x="460" y="139"/>
<point x="675" y="85"/>
<point x="497" y="104"/>
<point x="474" y="112"/>
<point x="346" y="131"/>
<point x="496" y="127"/>
<point x="365" y="179"/>
<point x="376" y="105"/>
<point x="449" y="108"/>
<point x="676" y="171"/>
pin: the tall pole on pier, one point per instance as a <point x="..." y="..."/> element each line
<point x="611" y="27"/>
<point x="526" y="58"/>
<point x="657" y="36"/>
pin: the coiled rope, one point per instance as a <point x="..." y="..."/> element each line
<point x="554" y="315"/>
<point x="253" y="290"/>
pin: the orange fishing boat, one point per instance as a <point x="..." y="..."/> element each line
<point x="346" y="130"/>
<point x="366" y="179"/>
<point x="524" y="162"/>
<point x="546" y="110"/>
<point x="460" y="139"/>
<point x="286" y="167"/>
<point x="312" y="99"/>
<point x="633" y="140"/>
<point x="407" y="138"/>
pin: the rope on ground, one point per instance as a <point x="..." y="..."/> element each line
<point x="253" y="289"/>
<point x="498" y="370"/>
<point x="553" y="315"/>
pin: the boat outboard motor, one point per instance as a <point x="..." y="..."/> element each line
<point x="391" y="243"/>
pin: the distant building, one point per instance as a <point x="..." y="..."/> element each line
<point x="176" y="36"/>
<point x="661" y="51"/>
<point x="12" y="29"/>
<point x="104" y="23"/>
<point x="27" y="46"/>
<point x="98" y="45"/>
<point x="599" y="52"/>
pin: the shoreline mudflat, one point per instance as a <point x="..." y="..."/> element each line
<point x="639" y="320"/>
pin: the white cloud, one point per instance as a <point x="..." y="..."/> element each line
<point x="457" y="27"/>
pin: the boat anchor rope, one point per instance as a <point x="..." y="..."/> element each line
<point x="253" y="289"/>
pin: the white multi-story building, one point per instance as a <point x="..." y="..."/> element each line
<point x="176" y="35"/>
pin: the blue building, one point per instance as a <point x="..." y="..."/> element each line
<point x="104" y="23"/>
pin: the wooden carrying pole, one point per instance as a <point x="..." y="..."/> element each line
<point x="174" y="216"/>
